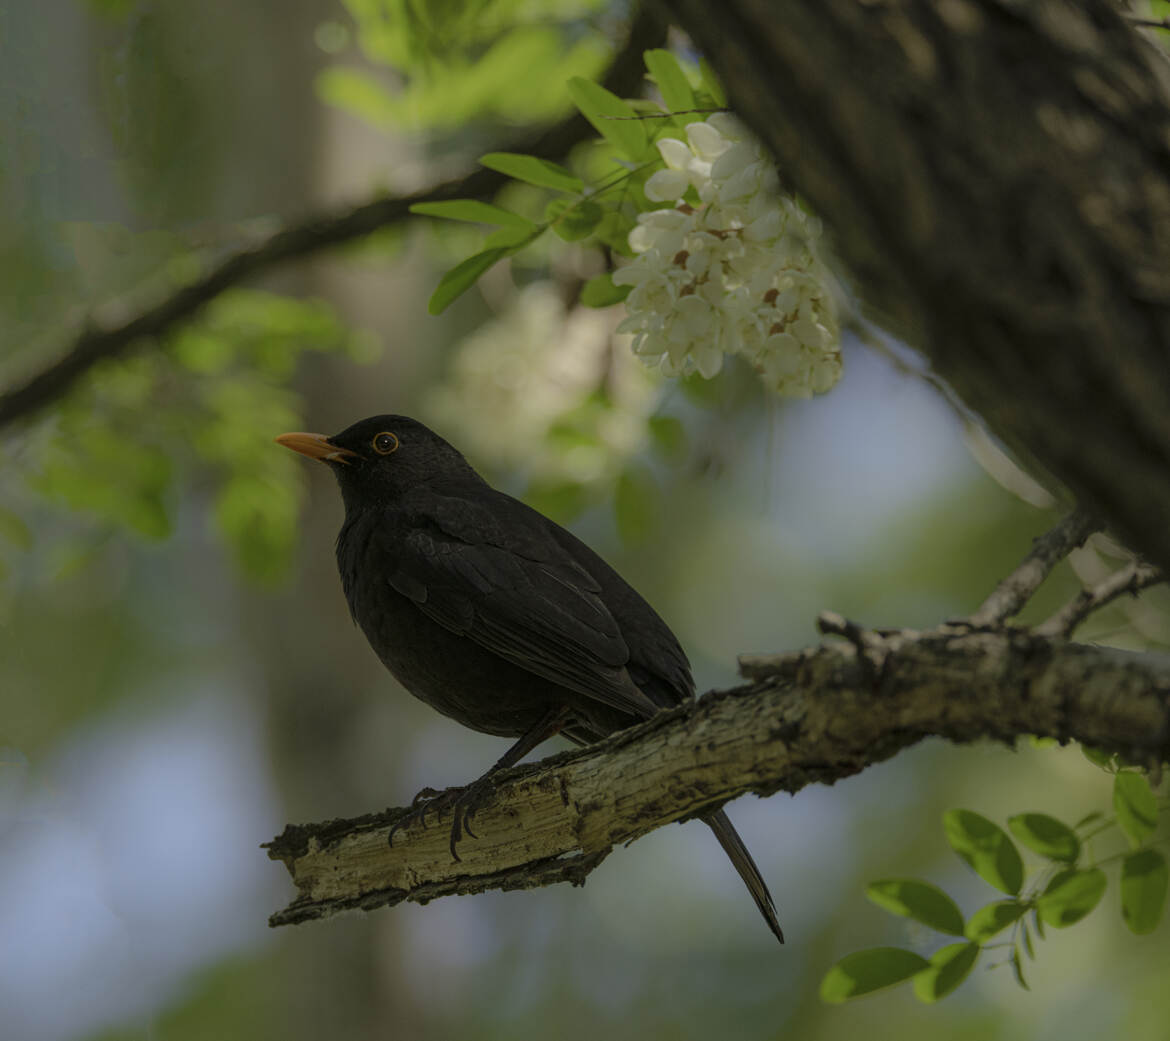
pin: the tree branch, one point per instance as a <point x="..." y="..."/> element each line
<point x="1048" y="550"/>
<point x="1132" y="578"/>
<point x="96" y="343"/>
<point x="814" y="716"/>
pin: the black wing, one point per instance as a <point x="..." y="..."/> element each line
<point x="491" y="571"/>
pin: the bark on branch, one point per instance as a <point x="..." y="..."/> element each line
<point x="817" y="715"/>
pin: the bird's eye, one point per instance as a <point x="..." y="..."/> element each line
<point x="385" y="442"/>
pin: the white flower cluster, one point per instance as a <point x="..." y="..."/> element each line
<point x="534" y="368"/>
<point x="737" y="274"/>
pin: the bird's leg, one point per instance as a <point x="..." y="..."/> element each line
<point x="466" y="803"/>
<point x="465" y="800"/>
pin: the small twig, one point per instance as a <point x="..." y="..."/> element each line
<point x="665" y="115"/>
<point x="1130" y="579"/>
<point x="1047" y="551"/>
<point x="870" y="648"/>
<point x="1147" y="23"/>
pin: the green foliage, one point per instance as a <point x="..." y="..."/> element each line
<point x="669" y="437"/>
<point x="1067" y="887"/>
<point x="918" y="900"/>
<point x="1143" y="889"/>
<point x="596" y="205"/>
<point x="949" y="966"/>
<point x="532" y="170"/>
<point x="600" y="291"/>
<point x="471" y="210"/>
<point x="677" y="93"/>
<point x="611" y="117"/>
<point x="866" y="971"/>
<point x="455" y="62"/>
<point x="462" y="277"/>
<point x="112" y="9"/>
<point x="636" y="504"/>
<point x="1046" y="835"/>
<point x="573" y="221"/>
<point x="1070" y="896"/>
<point x="15" y="530"/>
<point x="1135" y="806"/>
<point x="986" y="848"/>
<point x="211" y="403"/>
<point x="994" y="918"/>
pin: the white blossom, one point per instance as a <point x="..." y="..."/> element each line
<point x="738" y="273"/>
<point x="529" y="369"/>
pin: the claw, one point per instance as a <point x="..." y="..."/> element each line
<point x="426" y="799"/>
<point x="463" y="803"/>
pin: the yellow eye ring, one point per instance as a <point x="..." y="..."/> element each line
<point x="385" y="443"/>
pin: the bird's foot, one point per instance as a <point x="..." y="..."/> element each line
<point x="462" y="801"/>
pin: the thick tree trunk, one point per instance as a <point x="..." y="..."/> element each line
<point x="997" y="177"/>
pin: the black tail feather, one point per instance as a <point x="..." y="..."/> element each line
<point x="738" y="853"/>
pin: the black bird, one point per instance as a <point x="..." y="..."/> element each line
<point x="492" y="613"/>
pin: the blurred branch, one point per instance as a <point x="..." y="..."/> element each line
<point x="1048" y="550"/>
<point x="817" y="715"/>
<point x="1132" y="579"/>
<point x="97" y="343"/>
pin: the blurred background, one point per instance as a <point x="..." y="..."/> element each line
<point x="179" y="676"/>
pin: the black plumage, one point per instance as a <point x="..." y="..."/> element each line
<point x="490" y="612"/>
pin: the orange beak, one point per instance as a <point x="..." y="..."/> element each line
<point x="316" y="446"/>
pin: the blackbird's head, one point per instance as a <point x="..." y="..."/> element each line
<point x="379" y="458"/>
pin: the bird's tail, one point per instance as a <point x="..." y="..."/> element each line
<point x="738" y="853"/>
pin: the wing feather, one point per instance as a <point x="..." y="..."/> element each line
<point x="519" y="595"/>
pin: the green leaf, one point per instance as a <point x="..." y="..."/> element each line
<point x="1105" y="760"/>
<point x="562" y="501"/>
<point x="1018" y="969"/>
<point x="947" y="969"/>
<point x="863" y="972"/>
<point x="635" y="504"/>
<point x="1027" y="934"/>
<point x="14" y="529"/>
<point x="257" y="517"/>
<point x="672" y="82"/>
<point x="1089" y="818"/>
<point x="1070" y="896"/>
<point x="471" y="210"/>
<point x="611" y="117"/>
<point x="992" y="918"/>
<point x="600" y="291"/>
<point x="531" y="170"/>
<point x="918" y="900"/>
<point x="1135" y="806"/>
<point x="1143" y="890"/>
<point x="462" y="277"/>
<point x="1046" y="835"/>
<point x="614" y="230"/>
<point x="1038" y="922"/>
<point x="512" y="239"/>
<point x="986" y="847"/>
<point x="359" y="92"/>
<point x="669" y="436"/>
<point x="573" y="221"/>
<point x="710" y="83"/>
